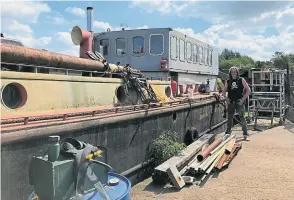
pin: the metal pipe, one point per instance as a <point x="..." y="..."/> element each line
<point x="24" y="55"/>
<point x="89" y="19"/>
<point x="230" y="146"/>
<point x="29" y="56"/>
<point x="206" y="152"/>
<point x="136" y="168"/>
<point x="222" y="160"/>
<point x="222" y="144"/>
<point x="208" y="162"/>
<point x="226" y="154"/>
<point x="216" y="160"/>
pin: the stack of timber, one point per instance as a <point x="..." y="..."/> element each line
<point x="180" y="161"/>
<point x="218" y="157"/>
<point x="199" y="161"/>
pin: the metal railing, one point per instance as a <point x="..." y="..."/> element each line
<point x="66" y="115"/>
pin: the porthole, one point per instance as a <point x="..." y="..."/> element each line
<point x="128" y="97"/>
<point x="121" y="94"/>
<point x="174" y="116"/>
<point x="14" y="95"/>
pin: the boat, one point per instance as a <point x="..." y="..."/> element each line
<point x="110" y="102"/>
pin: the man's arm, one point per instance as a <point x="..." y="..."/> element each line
<point x="247" y="90"/>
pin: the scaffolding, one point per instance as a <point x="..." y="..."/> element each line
<point x="267" y="95"/>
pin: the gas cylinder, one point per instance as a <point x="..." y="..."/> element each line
<point x="174" y="86"/>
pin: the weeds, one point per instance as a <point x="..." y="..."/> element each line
<point x="165" y="146"/>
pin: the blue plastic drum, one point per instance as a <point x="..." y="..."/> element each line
<point x="121" y="191"/>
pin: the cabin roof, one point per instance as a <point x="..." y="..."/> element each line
<point x="130" y="30"/>
<point x="114" y="32"/>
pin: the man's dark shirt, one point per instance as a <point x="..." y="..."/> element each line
<point x="235" y="89"/>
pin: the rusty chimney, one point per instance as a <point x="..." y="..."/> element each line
<point x="83" y="37"/>
<point x="89" y="19"/>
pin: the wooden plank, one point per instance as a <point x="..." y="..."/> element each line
<point x="230" y="146"/>
<point x="186" y="155"/>
<point x="175" y="177"/>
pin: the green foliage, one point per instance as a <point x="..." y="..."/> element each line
<point x="282" y="60"/>
<point x="228" y="58"/>
<point x="165" y="146"/>
<point x="220" y="83"/>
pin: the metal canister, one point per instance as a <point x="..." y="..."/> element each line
<point x="53" y="148"/>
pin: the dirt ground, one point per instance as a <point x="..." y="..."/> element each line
<point x="263" y="170"/>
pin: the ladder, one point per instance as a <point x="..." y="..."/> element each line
<point x="268" y="96"/>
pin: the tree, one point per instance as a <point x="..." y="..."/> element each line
<point x="229" y="58"/>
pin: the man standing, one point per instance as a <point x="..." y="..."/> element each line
<point x="238" y="91"/>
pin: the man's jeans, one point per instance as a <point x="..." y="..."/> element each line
<point x="232" y="107"/>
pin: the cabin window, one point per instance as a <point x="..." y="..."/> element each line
<point x="189" y="51"/>
<point x="104" y="47"/>
<point x="173" y="48"/>
<point x="210" y="58"/>
<point x="194" y="53"/>
<point x="138" y="45"/>
<point x="182" y="50"/>
<point x="197" y="54"/>
<point x="156" y="44"/>
<point x="96" y="45"/>
<point x="201" y="54"/>
<point x="207" y="57"/>
<point x="121" y="46"/>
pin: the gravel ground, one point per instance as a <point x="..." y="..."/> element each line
<point x="263" y="169"/>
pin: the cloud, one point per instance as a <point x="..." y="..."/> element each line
<point x="15" y="26"/>
<point x="25" y="11"/>
<point x="103" y="26"/>
<point x="259" y="47"/>
<point x="71" y="52"/>
<point x="29" y="40"/>
<point x="163" y="7"/>
<point x="214" y="12"/>
<point x="241" y="26"/>
<point x="58" y="20"/>
<point x="65" y="38"/>
<point x="16" y="17"/>
<point x="76" y="11"/>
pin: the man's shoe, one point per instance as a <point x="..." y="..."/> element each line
<point x="246" y="138"/>
<point x="228" y="133"/>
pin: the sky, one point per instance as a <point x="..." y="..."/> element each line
<point x="256" y="29"/>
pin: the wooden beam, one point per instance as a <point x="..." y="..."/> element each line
<point x="175" y="177"/>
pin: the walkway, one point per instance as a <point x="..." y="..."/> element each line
<point x="263" y="169"/>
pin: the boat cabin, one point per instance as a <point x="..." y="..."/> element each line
<point x="161" y="53"/>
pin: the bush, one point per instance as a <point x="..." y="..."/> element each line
<point x="165" y="146"/>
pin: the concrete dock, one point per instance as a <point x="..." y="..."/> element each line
<point x="263" y="169"/>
